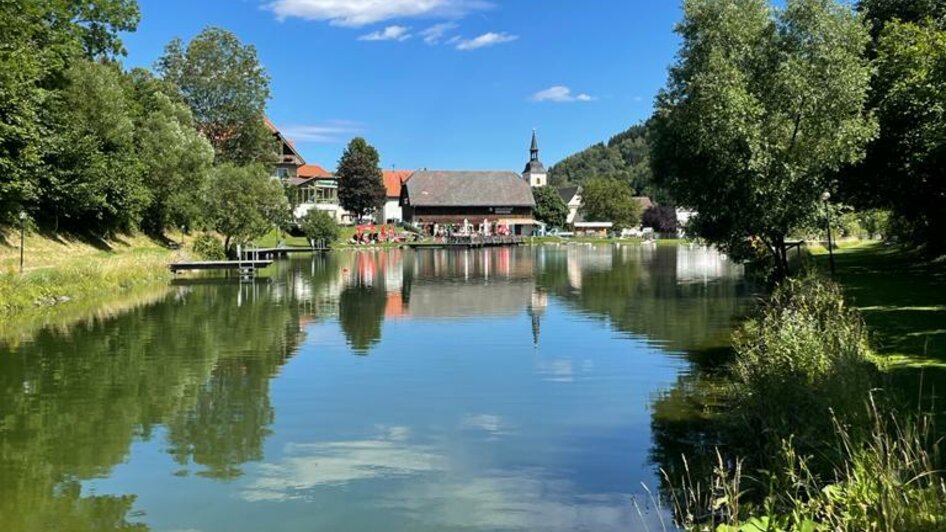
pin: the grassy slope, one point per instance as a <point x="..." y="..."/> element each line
<point x="67" y="272"/>
<point x="902" y="296"/>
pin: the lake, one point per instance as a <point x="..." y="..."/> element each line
<point x="532" y="388"/>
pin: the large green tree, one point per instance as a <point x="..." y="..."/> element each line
<point x="227" y="89"/>
<point x="763" y="106"/>
<point x="904" y="167"/>
<point x="610" y="200"/>
<point x="550" y="208"/>
<point x="243" y="203"/>
<point x="360" y="187"/>
<point x="92" y="179"/>
<point x="38" y="42"/>
<point x="175" y="158"/>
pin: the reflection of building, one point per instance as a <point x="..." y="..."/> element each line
<point x="701" y="264"/>
<point x="537" y="306"/>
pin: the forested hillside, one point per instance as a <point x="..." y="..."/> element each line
<point x="625" y="156"/>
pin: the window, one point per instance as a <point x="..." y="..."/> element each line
<point x="282" y="173"/>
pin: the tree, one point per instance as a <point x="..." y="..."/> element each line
<point x="176" y="159"/>
<point x="319" y="226"/>
<point x="226" y="88"/>
<point x="38" y="42"/>
<point x="763" y="106"/>
<point x="360" y="187"/>
<point x="550" y="208"/>
<point x="610" y="200"/>
<point x="905" y="167"/>
<point x="660" y="218"/>
<point x="243" y="203"/>
<point x="92" y="179"/>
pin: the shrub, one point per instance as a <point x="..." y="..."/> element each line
<point x="209" y="247"/>
<point x="803" y="358"/>
<point x="319" y="226"/>
<point x="662" y="219"/>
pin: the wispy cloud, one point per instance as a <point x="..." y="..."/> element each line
<point x="391" y="33"/>
<point x="487" y="39"/>
<point x="436" y="33"/>
<point x="356" y="13"/>
<point x="560" y="94"/>
<point x="327" y="133"/>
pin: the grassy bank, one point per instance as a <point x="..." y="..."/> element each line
<point x="902" y="296"/>
<point x="62" y="272"/>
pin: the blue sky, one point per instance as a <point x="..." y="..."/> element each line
<point x="447" y="84"/>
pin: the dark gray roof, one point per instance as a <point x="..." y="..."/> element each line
<point x="468" y="189"/>
<point x="534" y="167"/>
<point x="298" y="181"/>
<point x="567" y="193"/>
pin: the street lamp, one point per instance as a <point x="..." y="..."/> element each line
<point x="22" y="237"/>
<point x="825" y="197"/>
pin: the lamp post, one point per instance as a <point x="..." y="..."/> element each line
<point x="22" y="237"/>
<point x="827" y="209"/>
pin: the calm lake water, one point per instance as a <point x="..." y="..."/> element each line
<point x="502" y="389"/>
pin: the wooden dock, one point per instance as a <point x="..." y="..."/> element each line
<point x="244" y="266"/>
<point x="270" y="253"/>
<point x="470" y="242"/>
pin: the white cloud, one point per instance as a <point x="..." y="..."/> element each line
<point x="391" y="33"/>
<point x="355" y="13"/>
<point x="328" y="132"/>
<point x="487" y="39"/>
<point x="436" y="33"/>
<point x="560" y="94"/>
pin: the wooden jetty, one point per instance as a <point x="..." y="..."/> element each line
<point x="470" y="241"/>
<point x="269" y="253"/>
<point x="245" y="267"/>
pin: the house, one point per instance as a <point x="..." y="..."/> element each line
<point x="572" y="198"/>
<point x="431" y="198"/>
<point x="289" y="160"/>
<point x="393" y="181"/>
<point x="314" y="186"/>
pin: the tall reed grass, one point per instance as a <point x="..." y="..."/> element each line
<point x="810" y="444"/>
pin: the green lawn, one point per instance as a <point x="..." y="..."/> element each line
<point x="902" y="296"/>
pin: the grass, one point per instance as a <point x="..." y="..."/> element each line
<point x="902" y="296"/>
<point x="63" y="273"/>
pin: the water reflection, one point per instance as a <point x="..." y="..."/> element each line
<point x="505" y="388"/>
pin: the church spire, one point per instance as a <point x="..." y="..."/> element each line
<point x="534" y="150"/>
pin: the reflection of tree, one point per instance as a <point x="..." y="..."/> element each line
<point x="71" y="403"/>
<point x="360" y="313"/>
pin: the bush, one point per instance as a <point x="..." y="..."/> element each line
<point x="661" y="219"/>
<point x="209" y="247"/>
<point x="803" y="358"/>
<point x="319" y="226"/>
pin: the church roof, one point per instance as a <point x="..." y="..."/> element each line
<point x="468" y="189"/>
<point x="535" y="167"/>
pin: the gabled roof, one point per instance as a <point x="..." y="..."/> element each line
<point x="568" y="193"/>
<point x="468" y="189"/>
<point x="313" y="170"/>
<point x="393" y="179"/>
<point x="284" y="140"/>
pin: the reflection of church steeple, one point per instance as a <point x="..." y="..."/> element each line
<point x="540" y="300"/>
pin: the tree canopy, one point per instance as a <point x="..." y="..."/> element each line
<point x="762" y="107"/>
<point x="550" y="208"/>
<point x="226" y="88"/>
<point x="610" y="200"/>
<point x="243" y="203"/>
<point x="360" y="186"/>
<point x="905" y="167"/>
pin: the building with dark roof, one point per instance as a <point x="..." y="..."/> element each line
<point x="456" y="198"/>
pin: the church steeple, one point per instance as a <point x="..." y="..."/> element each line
<point x="535" y="172"/>
<point x="534" y="151"/>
